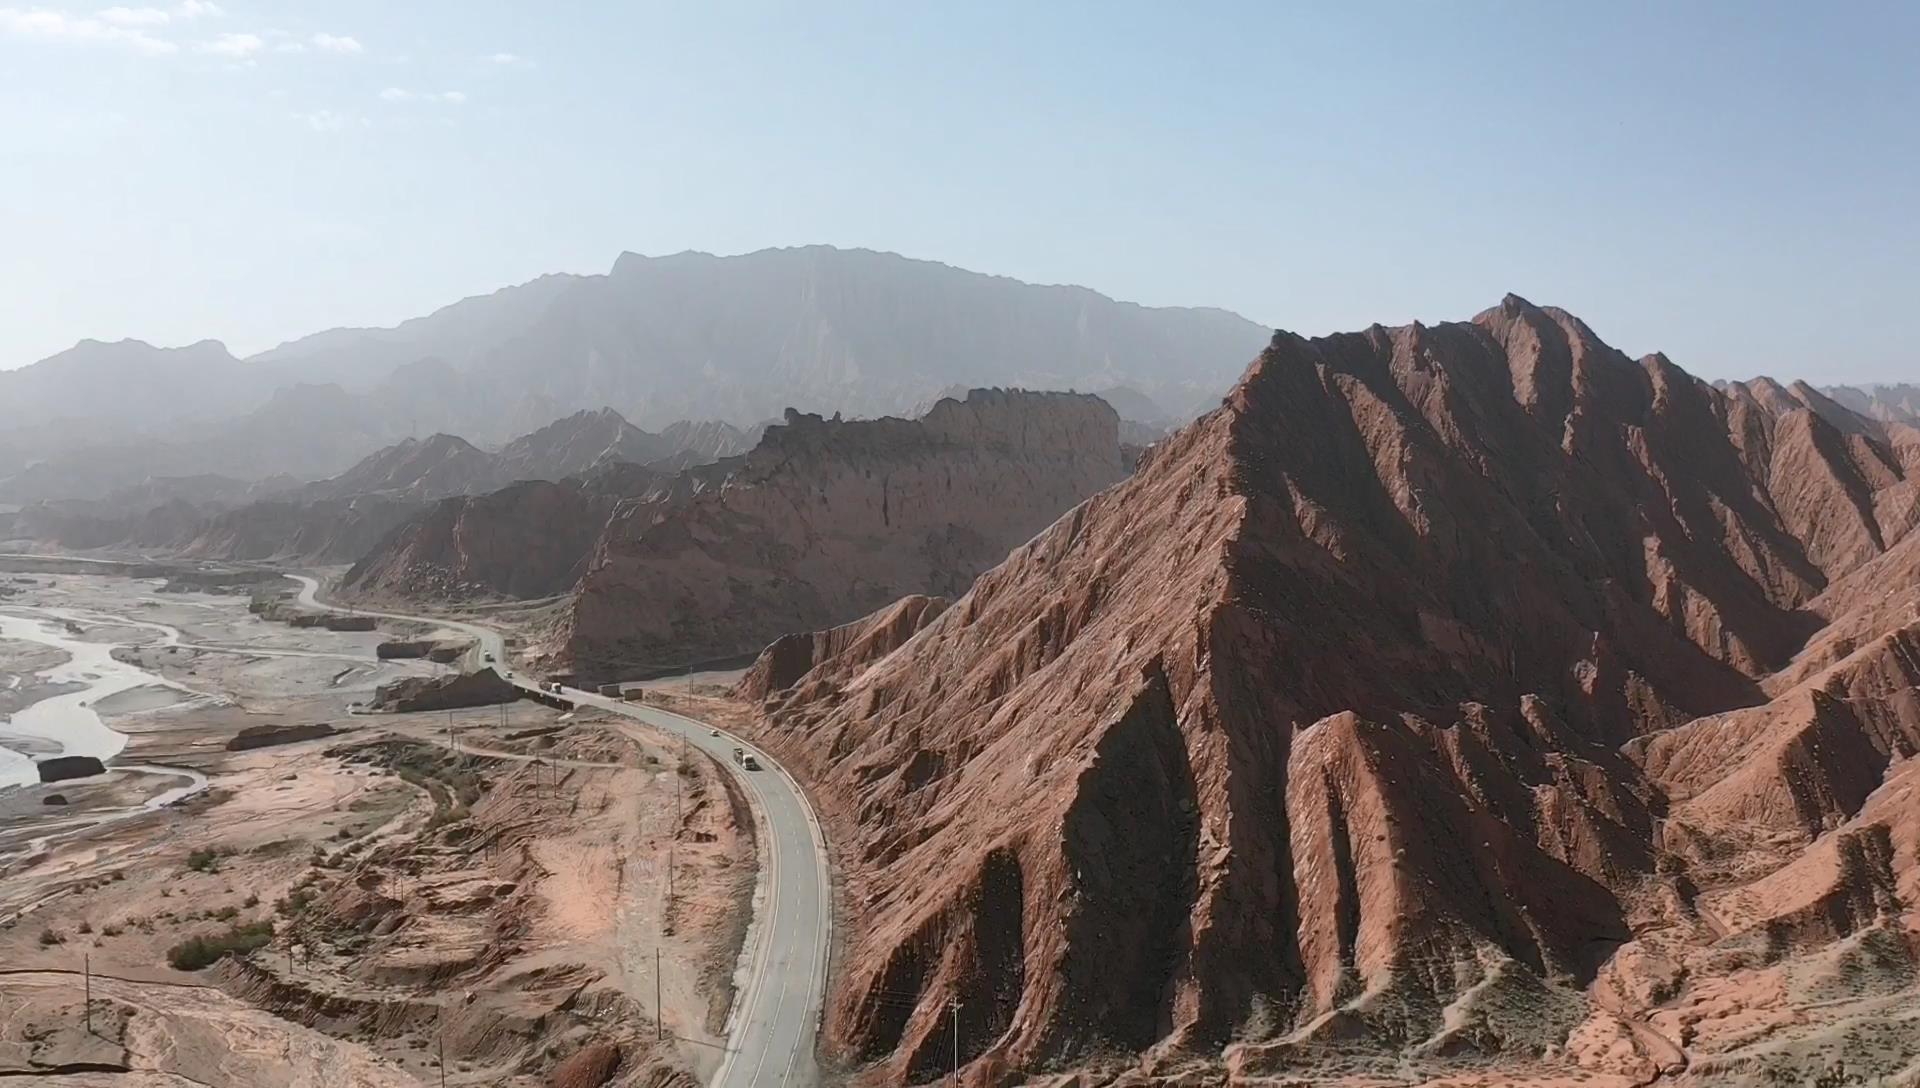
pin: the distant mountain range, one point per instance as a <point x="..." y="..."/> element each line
<point x="1887" y="403"/>
<point x="340" y="518"/>
<point x="658" y="339"/>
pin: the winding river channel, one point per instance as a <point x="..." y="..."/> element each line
<point x="68" y="723"/>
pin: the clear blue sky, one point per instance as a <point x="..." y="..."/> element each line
<point x="1735" y="184"/>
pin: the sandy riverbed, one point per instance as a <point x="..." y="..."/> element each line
<point x="514" y="889"/>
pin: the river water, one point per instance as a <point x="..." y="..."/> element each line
<point x="68" y="724"/>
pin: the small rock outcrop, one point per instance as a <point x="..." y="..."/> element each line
<point x="267" y="736"/>
<point x="66" y="768"/>
<point x="591" y="1066"/>
<point x="483" y="688"/>
<point x="415" y="649"/>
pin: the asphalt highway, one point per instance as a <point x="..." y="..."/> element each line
<point x="776" y="1014"/>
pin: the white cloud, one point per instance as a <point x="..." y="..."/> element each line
<point x="401" y="94"/>
<point x="135" y="16"/>
<point x="337" y="43"/>
<point x="150" y="16"/>
<point x="57" y="26"/>
<point x="505" y="60"/>
<point x="330" y="121"/>
<point x="233" y="45"/>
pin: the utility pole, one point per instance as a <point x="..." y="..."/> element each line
<point x="86" y="967"/>
<point x="659" y="1009"/>
<point x="443" y="1047"/>
<point x="956" y="1042"/>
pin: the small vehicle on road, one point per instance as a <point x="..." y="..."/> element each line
<point x="713" y="732"/>
<point x="750" y="763"/>
<point x="488" y="656"/>
<point x="739" y="755"/>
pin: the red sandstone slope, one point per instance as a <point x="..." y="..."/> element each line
<point x="1310" y="729"/>
<point x="826" y="520"/>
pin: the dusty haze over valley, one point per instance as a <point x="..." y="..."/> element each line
<point x="649" y="546"/>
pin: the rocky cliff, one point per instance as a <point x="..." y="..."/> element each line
<point x="828" y="519"/>
<point x="1420" y="703"/>
<point x="531" y="539"/>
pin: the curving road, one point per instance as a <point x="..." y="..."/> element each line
<point x="776" y="1014"/>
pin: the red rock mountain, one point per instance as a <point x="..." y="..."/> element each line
<point x="1448" y="693"/>
<point x="828" y="519"/>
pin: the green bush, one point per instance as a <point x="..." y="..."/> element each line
<point x="203" y="860"/>
<point x="196" y="952"/>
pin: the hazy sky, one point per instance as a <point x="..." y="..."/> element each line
<point x="1734" y="184"/>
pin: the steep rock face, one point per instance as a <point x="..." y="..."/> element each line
<point x="1319" y="711"/>
<point x="826" y="520"/>
<point x="531" y="539"/>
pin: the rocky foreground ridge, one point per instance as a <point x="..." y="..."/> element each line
<point x="1456" y="694"/>
<point x="827" y="519"/>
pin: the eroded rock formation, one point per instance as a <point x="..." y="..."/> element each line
<point x="826" y="520"/>
<point x="1391" y="708"/>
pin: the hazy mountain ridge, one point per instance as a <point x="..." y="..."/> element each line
<point x="658" y="339"/>
<point x="1890" y="403"/>
<point x="340" y="518"/>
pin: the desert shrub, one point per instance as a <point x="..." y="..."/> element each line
<point x="295" y="902"/>
<point x="196" y="952"/>
<point x="203" y="860"/>
<point x="49" y="938"/>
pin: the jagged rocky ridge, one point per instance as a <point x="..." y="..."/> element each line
<point x="1406" y="704"/>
